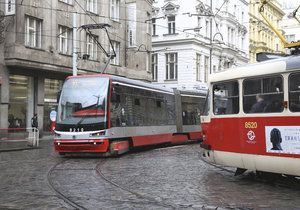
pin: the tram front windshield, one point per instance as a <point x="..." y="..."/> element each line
<point x="83" y="105"/>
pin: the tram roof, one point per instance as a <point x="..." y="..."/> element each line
<point x="269" y="67"/>
<point x="139" y="84"/>
<point x="143" y="85"/>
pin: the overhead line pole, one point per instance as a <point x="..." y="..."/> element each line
<point x="74" y="44"/>
<point x="210" y="41"/>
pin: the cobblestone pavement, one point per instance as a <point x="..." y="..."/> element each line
<point x="162" y="178"/>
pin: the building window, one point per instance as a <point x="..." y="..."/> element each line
<point x="154" y="66"/>
<point x="198" y="67"/>
<point x="232" y="37"/>
<point x="171" y="66"/>
<point x="243" y="43"/>
<point x="228" y="35"/>
<point x="153" y="27"/>
<point x="206" y="28"/>
<point x="206" y="69"/>
<point x="290" y="38"/>
<point x="51" y="89"/>
<point x="148" y="23"/>
<point x="115" y="9"/>
<point x="67" y="1"/>
<point x="21" y="101"/>
<point x="116" y="60"/>
<point x="33" y="32"/>
<point x="148" y="62"/>
<point x="171" y="25"/>
<point x="64" y="40"/>
<point x="199" y="22"/>
<point x="91" y="6"/>
<point x="243" y="18"/>
<point x="91" y="46"/>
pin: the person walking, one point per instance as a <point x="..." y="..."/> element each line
<point x="34" y="121"/>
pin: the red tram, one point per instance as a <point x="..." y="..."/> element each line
<point x="109" y="115"/>
<point x="252" y="117"/>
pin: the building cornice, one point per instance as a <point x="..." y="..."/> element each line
<point x="278" y="9"/>
<point x="180" y="41"/>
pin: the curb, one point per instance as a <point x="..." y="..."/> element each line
<point x="18" y="149"/>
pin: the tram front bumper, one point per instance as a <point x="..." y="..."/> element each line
<point x="79" y="146"/>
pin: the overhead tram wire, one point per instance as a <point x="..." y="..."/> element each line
<point x="214" y="17"/>
<point x="120" y="19"/>
<point x="100" y="3"/>
<point x="97" y="15"/>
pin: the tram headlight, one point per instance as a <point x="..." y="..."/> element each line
<point x="101" y="133"/>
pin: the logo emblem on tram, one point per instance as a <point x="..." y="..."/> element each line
<point x="251" y="137"/>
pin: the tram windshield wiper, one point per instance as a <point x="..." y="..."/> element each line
<point x="92" y="110"/>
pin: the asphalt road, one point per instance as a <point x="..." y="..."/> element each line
<point x="160" y="178"/>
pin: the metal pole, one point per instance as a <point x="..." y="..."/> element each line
<point x="210" y="39"/>
<point x="74" y="45"/>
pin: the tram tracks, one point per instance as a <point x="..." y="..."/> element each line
<point x="130" y="196"/>
<point x="142" y="196"/>
<point x="60" y="194"/>
<point x="276" y="180"/>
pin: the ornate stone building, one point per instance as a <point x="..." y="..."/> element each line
<point x="262" y="37"/>
<point x="192" y="40"/>
<point x="37" y="45"/>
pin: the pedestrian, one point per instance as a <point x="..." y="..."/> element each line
<point x="259" y="106"/>
<point x="34" y="122"/>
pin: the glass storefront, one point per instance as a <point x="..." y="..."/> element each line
<point x="21" y="101"/>
<point x="51" y="89"/>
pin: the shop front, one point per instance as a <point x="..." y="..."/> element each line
<point x="30" y="94"/>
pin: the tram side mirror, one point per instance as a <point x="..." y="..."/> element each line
<point x="58" y="96"/>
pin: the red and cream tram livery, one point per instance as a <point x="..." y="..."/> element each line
<point x="252" y="117"/>
<point x="108" y="115"/>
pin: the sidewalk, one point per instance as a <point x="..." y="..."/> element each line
<point x="20" y="144"/>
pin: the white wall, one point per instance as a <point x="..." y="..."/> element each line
<point x="189" y="42"/>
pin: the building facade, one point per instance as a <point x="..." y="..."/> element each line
<point x="192" y="40"/>
<point x="37" y="45"/>
<point x="262" y="37"/>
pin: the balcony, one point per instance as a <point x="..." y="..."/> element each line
<point x="228" y="16"/>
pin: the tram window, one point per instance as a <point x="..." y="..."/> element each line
<point x="206" y="105"/>
<point x="263" y="95"/>
<point x="139" y="107"/>
<point x="158" y="104"/>
<point x="294" y="92"/>
<point x="226" y="98"/>
<point x="191" y="110"/>
<point x="137" y="102"/>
